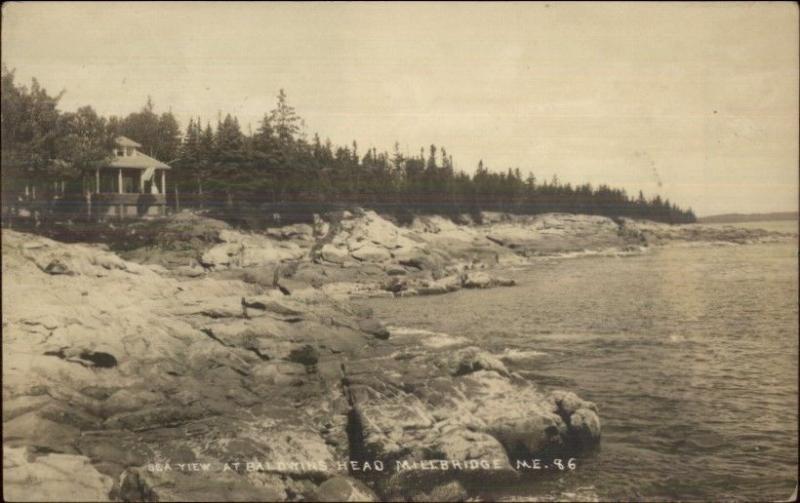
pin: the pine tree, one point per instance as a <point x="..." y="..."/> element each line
<point x="285" y="120"/>
<point x="168" y="141"/>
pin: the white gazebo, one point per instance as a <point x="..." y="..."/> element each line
<point x="132" y="184"/>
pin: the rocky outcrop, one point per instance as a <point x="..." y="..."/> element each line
<point x="659" y="234"/>
<point x="247" y="250"/>
<point x="52" y="477"/>
<point x="155" y="387"/>
<point x="114" y="369"/>
<point x="363" y="254"/>
<point x="120" y="367"/>
<point x="443" y="418"/>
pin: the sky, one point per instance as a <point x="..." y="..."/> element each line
<point x="697" y="102"/>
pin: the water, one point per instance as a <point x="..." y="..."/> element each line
<point x="691" y="354"/>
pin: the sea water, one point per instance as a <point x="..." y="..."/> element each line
<point x="690" y="352"/>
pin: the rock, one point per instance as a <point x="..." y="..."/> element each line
<point x="160" y="415"/>
<point x="468" y="360"/>
<point x="444" y="285"/>
<point x="450" y="491"/>
<point x="57" y="267"/>
<point x="406" y="408"/>
<point x="395" y="271"/>
<point x="431" y="289"/>
<point x="189" y="272"/>
<point x="586" y="426"/>
<point x="374" y="327"/>
<point x="417" y="260"/>
<point x="177" y="485"/>
<point x="133" y="487"/>
<point x="33" y="430"/>
<point x="580" y="416"/>
<point x="189" y="382"/>
<point x="334" y="254"/>
<point x="306" y="355"/>
<point x="52" y="477"/>
<point x="303" y="232"/>
<point x="396" y="285"/>
<point x="503" y="282"/>
<point x="458" y="442"/>
<point x="477" y="280"/>
<point x="195" y="380"/>
<point x="567" y="402"/>
<point x="371" y="253"/>
<point x="273" y="304"/>
<point x="246" y="250"/>
<point x="344" y="489"/>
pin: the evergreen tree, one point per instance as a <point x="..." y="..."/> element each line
<point x="285" y="120"/>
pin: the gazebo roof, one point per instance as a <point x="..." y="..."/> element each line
<point x="124" y="141"/>
<point x="137" y="161"/>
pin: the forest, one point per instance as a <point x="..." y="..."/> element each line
<point x="277" y="168"/>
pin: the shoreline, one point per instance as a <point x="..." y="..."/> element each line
<point x="212" y="361"/>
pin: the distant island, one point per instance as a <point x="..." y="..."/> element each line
<point x="729" y="218"/>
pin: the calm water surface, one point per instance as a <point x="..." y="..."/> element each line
<point x="691" y="354"/>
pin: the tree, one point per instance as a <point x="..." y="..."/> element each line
<point x="168" y="139"/>
<point x="82" y="141"/>
<point x="229" y="139"/>
<point x="277" y="165"/>
<point x="284" y="119"/>
<point x="142" y="127"/>
<point x="264" y="140"/>
<point x="40" y="145"/>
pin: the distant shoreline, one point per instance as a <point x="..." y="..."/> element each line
<point x="731" y="218"/>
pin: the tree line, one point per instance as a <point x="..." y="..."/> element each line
<point x="277" y="168"/>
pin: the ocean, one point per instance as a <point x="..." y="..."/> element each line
<point x="690" y="352"/>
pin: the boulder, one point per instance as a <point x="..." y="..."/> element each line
<point x="52" y="477"/>
<point x="374" y="327"/>
<point x="449" y="491"/>
<point x="334" y="254"/>
<point x="477" y="280"/>
<point x="444" y="285"/>
<point x="344" y="489"/>
<point x="306" y="355"/>
<point x="394" y="270"/>
<point x="371" y="253"/>
<point x="471" y="359"/>
<point x="499" y="281"/>
<point x="445" y="402"/>
<point x="246" y="250"/>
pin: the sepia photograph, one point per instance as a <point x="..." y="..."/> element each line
<point x="400" y="251"/>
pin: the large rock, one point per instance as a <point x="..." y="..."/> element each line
<point x="456" y="404"/>
<point x="52" y="477"/>
<point x="334" y="254"/>
<point x="477" y="280"/>
<point x="246" y="250"/>
<point x="374" y="327"/>
<point x="344" y="489"/>
<point x="371" y="253"/>
<point x="127" y="366"/>
<point x="444" y="285"/>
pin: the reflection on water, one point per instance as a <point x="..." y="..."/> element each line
<point x="690" y="353"/>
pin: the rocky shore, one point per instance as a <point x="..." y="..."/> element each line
<point x="222" y="365"/>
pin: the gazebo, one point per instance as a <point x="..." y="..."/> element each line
<point x="133" y="184"/>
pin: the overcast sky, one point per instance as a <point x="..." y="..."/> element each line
<point x="697" y="102"/>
